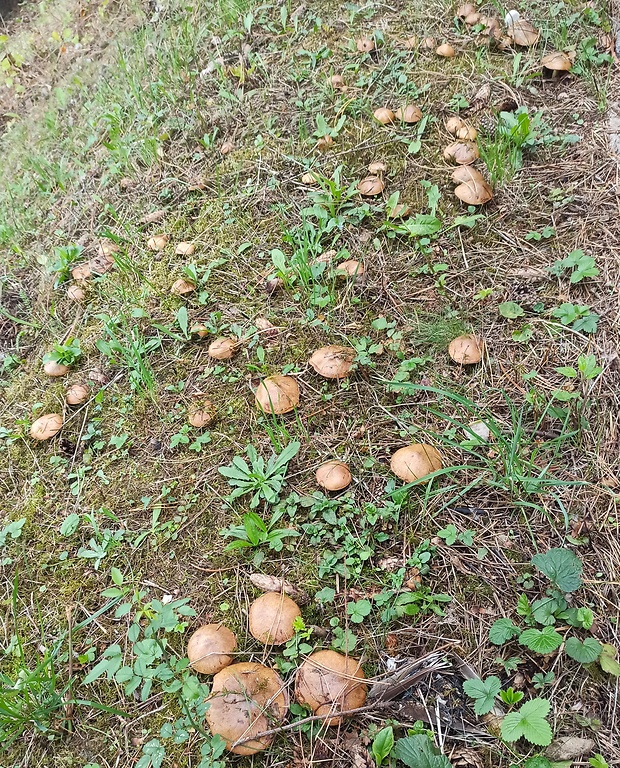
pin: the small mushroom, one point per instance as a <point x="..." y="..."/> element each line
<point x="377" y="167"/>
<point x="223" y="348"/>
<point x="200" y="330"/>
<point x="461" y="152"/>
<point x="472" y="19"/>
<point x="350" y="268"/>
<point x="77" y="394"/>
<point x="465" y="350"/>
<point x="246" y="699"/>
<point x="45" y="427"/>
<point x="446" y="51"/>
<point x="309" y="178"/>
<point x="277" y="394"/>
<point x="333" y="475"/>
<point x="157" y="242"/>
<point x="337" y="81"/>
<point x="467" y="133"/>
<point x="522" y="33"/>
<point x="384" y="115"/>
<point x="464" y="10"/>
<point x="333" y="362"/>
<point x="411" y="43"/>
<point x="226" y="148"/>
<point x="409" y="114"/>
<point x="399" y="211"/>
<point x="76" y="293"/>
<point x="415" y="462"/>
<point x="271" y="617"/>
<point x="454" y="124"/>
<point x="365" y="45"/>
<point x="182" y="287"/>
<point x="492" y="27"/>
<point x="371" y="186"/>
<point x="324" y="143"/>
<point x="81" y="272"/>
<point x="329" y="683"/>
<point x="210" y="647"/>
<point x="556" y="62"/>
<point x="428" y="44"/>
<point x="185" y="249"/>
<point x="200" y="415"/>
<point x="55" y="369"/>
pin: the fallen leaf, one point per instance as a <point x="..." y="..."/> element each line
<point x="274" y="584"/>
<point x="569" y="748"/>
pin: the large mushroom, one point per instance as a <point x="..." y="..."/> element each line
<point x="77" y="394"/>
<point x="333" y="362"/>
<point x="210" y="647"/>
<point x="55" y="369"/>
<point x="384" y="115"/>
<point x="330" y="683"/>
<point x="465" y="350"/>
<point x="277" y="394"/>
<point x="415" y="462"/>
<point x="556" y="62"/>
<point x="472" y="188"/>
<point x="371" y="186"/>
<point x="461" y="152"/>
<point x="333" y="475"/>
<point x="45" y="427"/>
<point x="246" y="699"/>
<point x="201" y="414"/>
<point x="410" y="113"/>
<point x="522" y="32"/>
<point x="271" y="618"/>
<point x="223" y="348"/>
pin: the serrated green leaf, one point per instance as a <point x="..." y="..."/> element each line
<point x="529" y="723"/>
<point x="543" y="640"/>
<point x="561" y="566"/>
<point x="584" y="652"/>
<point x="419" y="752"/>
<point x="483" y="692"/>
<point x="503" y="630"/>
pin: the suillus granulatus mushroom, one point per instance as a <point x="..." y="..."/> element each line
<point x="45" y="427"/>
<point x="384" y="115"/>
<point x="461" y="152"/>
<point x="182" y="287"/>
<point x="446" y="51"/>
<point x="277" y="394"/>
<point x="201" y="414"/>
<point x="330" y="683"/>
<point x="333" y="361"/>
<point x="415" y="462"/>
<point x="333" y="475"/>
<point x="55" y="369"/>
<point x="77" y="394"/>
<point x="223" y="348"/>
<point x="271" y="618"/>
<point x="157" y="242"/>
<point x="410" y="113"/>
<point x="210" y="647"/>
<point x="184" y="249"/>
<point x="371" y="186"/>
<point x="465" y="350"/>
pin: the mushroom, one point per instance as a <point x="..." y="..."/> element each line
<point x="308" y="178"/>
<point x="399" y="211"/>
<point x="200" y="330"/>
<point x="522" y="32"/>
<point x="210" y="647"/>
<point x="492" y="27"/>
<point x="77" y="394"/>
<point x="333" y="362"/>
<point x="409" y="114"/>
<point x="277" y="394"/>
<point x="371" y="186"/>
<point x="351" y="268"/>
<point x="472" y="188"/>
<point x="185" y="249"/>
<point x="55" y="369"/>
<point x="414" y="462"/>
<point x="324" y="143"/>
<point x="337" y="81"/>
<point x="461" y="152"/>
<point x="465" y="350"/>
<point x="81" y="272"/>
<point x="446" y="50"/>
<point x="46" y="426"/>
<point x="75" y="293"/>
<point x="428" y="44"/>
<point x="333" y="475"/>
<point x="384" y="115"/>
<point x="329" y="682"/>
<point x="102" y="263"/>
<point x="223" y="348"/>
<point x="472" y="19"/>
<point x="365" y="45"/>
<point x="202" y="414"/>
<point x="226" y="148"/>
<point x="454" y="124"/>
<point x="464" y="10"/>
<point x="246" y="699"/>
<point x="182" y="287"/>
<point x="377" y="167"/>
<point x="556" y="62"/>
<point x="157" y="242"/>
<point x="271" y="617"/>
<point x="107" y="248"/>
<point x="467" y="133"/>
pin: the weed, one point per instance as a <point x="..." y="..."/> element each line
<point x="64" y="354"/>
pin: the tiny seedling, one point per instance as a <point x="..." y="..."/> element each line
<point x="64" y="354"/>
<point x="254" y="532"/>
<point x="577" y="264"/>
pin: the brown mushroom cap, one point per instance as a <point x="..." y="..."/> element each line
<point x="464" y="10"/>
<point x="309" y="178"/>
<point x="454" y="124"/>
<point x="446" y="50"/>
<point x="271" y="618"/>
<point x="351" y="267"/>
<point x="182" y="287"/>
<point x="333" y="362"/>
<point x="209" y="648"/>
<point x="46" y="426"/>
<point x="472" y="189"/>
<point x="81" y="272"/>
<point x="399" y="211"/>
<point x="461" y="152"/>
<point x="467" y="133"/>
<point x="411" y="42"/>
<point x="77" y="394"/>
<point x="324" y="143"/>
<point x="55" y="369"/>
<point x="371" y="186"/>
<point x="365" y="45"/>
<point x="185" y="249"/>
<point x="246" y="699"/>
<point x="414" y="462"/>
<point x="277" y="394"/>
<point x="410" y="113"/>
<point x="333" y="475"/>
<point x="557" y="61"/>
<point x="329" y="682"/>
<point x="157" y="242"/>
<point x="76" y="293"/>
<point x="223" y="348"/>
<point x="523" y="33"/>
<point x="428" y="44"/>
<point x="465" y="350"/>
<point x="226" y="148"/>
<point x="377" y="167"/>
<point x="200" y="330"/>
<point x="337" y="81"/>
<point x="202" y="414"/>
<point x="384" y="115"/>
<point x="472" y="18"/>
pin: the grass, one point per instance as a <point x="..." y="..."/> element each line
<point x="122" y="551"/>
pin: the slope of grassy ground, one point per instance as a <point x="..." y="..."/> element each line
<point x="121" y="122"/>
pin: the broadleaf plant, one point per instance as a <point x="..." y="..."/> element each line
<point x="561" y="566"/>
<point x="529" y="723"/>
